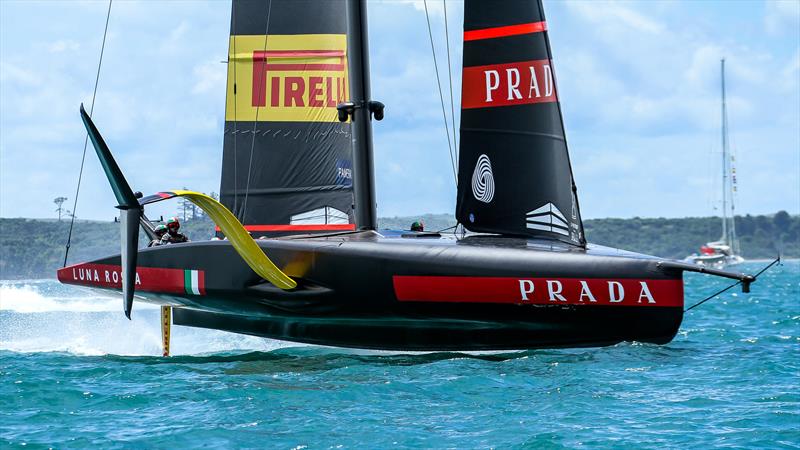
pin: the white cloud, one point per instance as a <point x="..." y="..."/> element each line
<point x="175" y="39"/>
<point x="12" y="74"/>
<point x="659" y="83"/>
<point x="209" y="76"/>
<point x="790" y="74"/>
<point x="435" y="7"/>
<point x="613" y="15"/>
<point x="703" y="70"/>
<point x="782" y="15"/>
<point x="63" y="45"/>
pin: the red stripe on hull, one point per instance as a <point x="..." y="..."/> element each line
<point x="510" y="30"/>
<point x="315" y="227"/>
<point x="540" y="291"/>
<point x="149" y="279"/>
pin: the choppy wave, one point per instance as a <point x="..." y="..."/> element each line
<point x="45" y="316"/>
<point x="37" y="296"/>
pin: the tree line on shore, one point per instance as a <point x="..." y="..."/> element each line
<point x="34" y="248"/>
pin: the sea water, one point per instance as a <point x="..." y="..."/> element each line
<point x="75" y="373"/>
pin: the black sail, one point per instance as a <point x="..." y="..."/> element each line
<point x="514" y="171"/>
<point x="287" y="160"/>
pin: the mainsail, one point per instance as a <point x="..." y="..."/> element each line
<point x="287" y="161"/>
<point x="514" y="172"/>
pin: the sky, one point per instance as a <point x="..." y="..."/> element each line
<point x="638" y="82"/>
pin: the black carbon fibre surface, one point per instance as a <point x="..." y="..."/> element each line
<point x="524" y="143"/>
<point x="347" y="297"/>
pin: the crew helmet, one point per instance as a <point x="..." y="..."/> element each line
<point x="173" y="224"/>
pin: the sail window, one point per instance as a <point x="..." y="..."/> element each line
<point x="326" y="215"/>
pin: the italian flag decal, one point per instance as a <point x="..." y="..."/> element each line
<point x="194" y="282"/>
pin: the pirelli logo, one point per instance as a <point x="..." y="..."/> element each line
<point x="297" y="78"/>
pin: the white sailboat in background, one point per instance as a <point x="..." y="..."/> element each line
<point x="725" y="251"/>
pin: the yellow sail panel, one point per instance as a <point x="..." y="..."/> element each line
<point x="241" y="240"/>
<point x="286" y="78"/>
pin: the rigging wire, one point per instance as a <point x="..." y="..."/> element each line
<point x="777" y="260"/>
<point x="445" y="229"/>
<point x="452" y="108"/>
<point x="450" y="77"/>
<point x="86" y="140"/>
<point x="255" y="123"/>
<point x="235" y="122"/>
<point x="712" y="296"/>
<point x="441" y="95"/>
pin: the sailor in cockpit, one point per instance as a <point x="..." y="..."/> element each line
<point x="173" y="234"/>
<point x="160" y="230"/>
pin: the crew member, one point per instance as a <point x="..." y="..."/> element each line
<point x="173" y="234"/>
<point x="159" y="230"/>
<point x="418" y="226"/>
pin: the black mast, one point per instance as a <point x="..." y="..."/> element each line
<point x="358" y="65"/>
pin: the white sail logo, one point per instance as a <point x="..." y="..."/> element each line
<point x="547" y="218"/>
<point x="483" y="180"/>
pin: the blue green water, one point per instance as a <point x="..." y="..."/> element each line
<point x="75" y="373"/>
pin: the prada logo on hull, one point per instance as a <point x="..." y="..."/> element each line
<point x="614" y="294"/>
<point x="540" y="291"/>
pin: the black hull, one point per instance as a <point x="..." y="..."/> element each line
<point x="368" y="290"/>
<point x="553" y="329"/>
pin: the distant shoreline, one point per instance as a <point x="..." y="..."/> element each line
<point x="34" y="248"/>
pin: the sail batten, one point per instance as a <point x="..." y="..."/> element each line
<point x="512" y="133"/>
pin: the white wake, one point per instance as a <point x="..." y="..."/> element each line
<point x="46" y="316"/>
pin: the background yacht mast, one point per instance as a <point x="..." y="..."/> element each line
<point x="728" y="221"/>
<point x="725" y="236"/>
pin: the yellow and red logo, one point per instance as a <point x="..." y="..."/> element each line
<point x="286" y="78"/>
